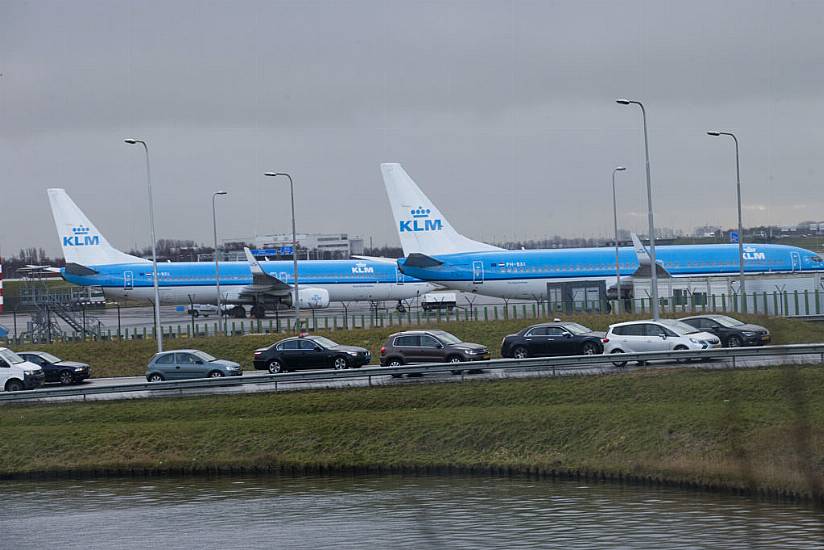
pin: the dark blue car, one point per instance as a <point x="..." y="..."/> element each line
<point x="56" y="369"/>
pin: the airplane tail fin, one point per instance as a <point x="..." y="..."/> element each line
<point x="82" y="243"/>
<point x="421" y="226"/>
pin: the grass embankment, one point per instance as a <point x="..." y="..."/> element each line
<point x="756" y="429"/>
<point x="129" y="358"/>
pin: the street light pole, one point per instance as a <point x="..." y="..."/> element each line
<point x="217" y="258"/>
<point x="654" y="265"/>
<point x="742" y="286"/>
<point x="295" y="299"/>
<point x="158" y="327"/>
<point x="615" y="222"/>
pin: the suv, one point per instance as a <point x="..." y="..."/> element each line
<point x="18" y="374"/>
<point x="429" y="346"/>
<point x="309" y="352"/>
<point x="661" y="335"/>
<point x="732" y="332"/>
<point x="552" y="339"/>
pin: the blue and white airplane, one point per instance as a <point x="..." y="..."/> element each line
<point x="91" y="260"/>
<point x="436" y="252"/>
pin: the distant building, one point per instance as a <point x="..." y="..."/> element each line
<point x="311" y="245"/>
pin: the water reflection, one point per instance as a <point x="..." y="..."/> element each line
<point x="389" y="512"/>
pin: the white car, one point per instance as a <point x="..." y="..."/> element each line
<point x="661" y="335"/>
<point x="18" y="374"/>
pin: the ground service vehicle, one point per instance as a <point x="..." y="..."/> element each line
<point x="661" y="335"/>
<point x="189" y="363"/>
<point x="429" y="346"/>
<point x="557" y="338"/>
<point x="18" y="374"/>
<point x="439" y="300"/>
<point x="309" y="352"/>
<point x="732" y="332"/>
<point x="56" y="369"/>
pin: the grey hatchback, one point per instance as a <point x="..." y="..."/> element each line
<point x="189" y="363"/>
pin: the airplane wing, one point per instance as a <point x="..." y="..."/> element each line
<point x="644" y="261"/>
<point x="262" y="282"/>
<point x="377" y="259"/>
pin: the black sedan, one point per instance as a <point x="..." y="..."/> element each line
<point x="558" y="338"/>
<point x="732" y="332"/>
<point x="309" y="352"/>
<point x="56" y="369"/>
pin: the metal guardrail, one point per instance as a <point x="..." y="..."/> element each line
<point x="572" y="362"/>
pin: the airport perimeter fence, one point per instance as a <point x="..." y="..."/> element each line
<point x="785" y="304"/>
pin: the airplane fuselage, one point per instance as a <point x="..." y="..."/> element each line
<point x="525" y="273"/>
<point x="185" y="282"/>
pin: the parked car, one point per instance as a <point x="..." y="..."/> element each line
<point x="429" y="346"/>
<point x="189" y="363"/>
<point x="661" y="335"/>
<point x="56" y="369"/>
<point x="557" y="338"/>
<point x="18" y="374"/>
<point x="732" y="332"/>
<point x="309" y="352"/>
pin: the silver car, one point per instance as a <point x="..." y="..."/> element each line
<point x="189" y="363"/>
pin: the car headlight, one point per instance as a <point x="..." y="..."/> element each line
<point x="28" y="372"/>
<point x="78" y="369"/>
<point x="695" y="341"/>
<point x="748" y="333"/>
<point x="353" y="353"/>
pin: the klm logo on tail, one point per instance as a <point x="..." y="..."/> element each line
<point x="420" y="221"/>
<point x="80" y="237"/>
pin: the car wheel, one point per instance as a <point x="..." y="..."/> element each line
<point x="155" y="377"/>
<point x="619" y="364"/>
<point x="14" y="385"/>
<point x="275" y="367"/>
<point x="341" y="363"/>
<point x="681" y="348"/>
<point x="520" y="353"/>
<point x="66" y="377"/>
<point x="734" y="342"/>
<point x="394" y="362"/>
<point x="216" y="374"/>
<point x="589" y="349"/>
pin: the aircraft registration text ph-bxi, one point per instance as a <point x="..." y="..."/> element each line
<point x="436" y="256"/>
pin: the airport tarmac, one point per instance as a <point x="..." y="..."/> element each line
<point x="142" y="317"/>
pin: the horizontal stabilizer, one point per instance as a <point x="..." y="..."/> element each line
<point x="421" y="260"/>
<point x="79" y="270"/>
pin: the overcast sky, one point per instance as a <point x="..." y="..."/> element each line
<point x="503" y="112"/>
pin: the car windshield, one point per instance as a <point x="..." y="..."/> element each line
<point x="725" y="321"/>
<point x="203" y="355"/>
<point x="678" y="327"/>
<point x="11" y="357"/>
<point x="575" y="328"/>
<point x="49" y="357"/>
<point x="445" y="337"/>
<point x="325" y="342"/>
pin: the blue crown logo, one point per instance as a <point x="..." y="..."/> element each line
<point x="420" y="212"/>
<point x="80" y="230"/>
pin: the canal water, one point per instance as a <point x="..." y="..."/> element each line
<point x="389" y="512"/>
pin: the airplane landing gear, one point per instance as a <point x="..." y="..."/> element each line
<point x="238" y="312"/>
<point x="400" y="308"/>
<point x="258" y="311"/>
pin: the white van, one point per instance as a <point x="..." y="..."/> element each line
<point x="18" y="374"/>
<point x="439" y="300"/>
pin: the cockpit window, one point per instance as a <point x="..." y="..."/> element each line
<point x="816" y="259"/>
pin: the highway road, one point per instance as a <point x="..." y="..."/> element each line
<point x="267" y="382"/>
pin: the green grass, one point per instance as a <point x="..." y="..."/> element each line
<point x="129" y="358"/>
<point x="760" y="428"/>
